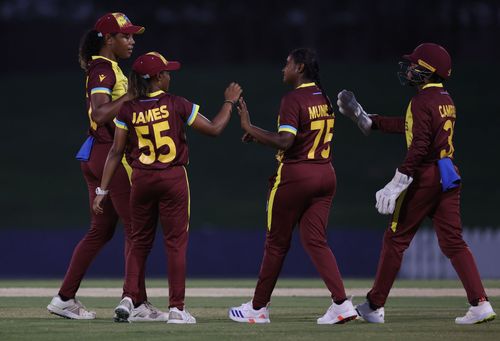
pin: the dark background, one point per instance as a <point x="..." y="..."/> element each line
<point x="359" y="44"/>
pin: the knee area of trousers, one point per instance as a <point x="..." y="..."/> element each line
<point x="97" y="233"/>
<point x="451" y="251"/>
<point x="309" y="243"/>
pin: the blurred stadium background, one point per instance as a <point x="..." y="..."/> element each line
<point x="43" y="199"/>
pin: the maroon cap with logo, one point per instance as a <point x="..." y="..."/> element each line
<point x="116" y="23"/>
<point x="152" y="63"/>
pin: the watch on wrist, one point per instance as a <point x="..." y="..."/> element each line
<point x="100" y="191"/>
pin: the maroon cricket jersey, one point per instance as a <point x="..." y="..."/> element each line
<point x="156" y="129"/>
<point x="428" y="125"/>
<point x="104" y="76"/>
<point x="304" y="113"/>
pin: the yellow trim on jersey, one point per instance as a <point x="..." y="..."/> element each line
<point x="120" y="124"/>
<point x="127" y="167"/>
<point x="395" y="215"/>
<point x="288" y="129"/>
<point x="189" y="198"/>
<point x="156" y="93"/>
<point x="100" y="90"/>
<point x="305" y="85"/>
<point x="271" y="197"/>
<point x="121" y="82"/>
<point x="194" y="113"/>
<point x="409" y="126"/>
<point x="109" y="60"/>
<point x="433" y="85"/>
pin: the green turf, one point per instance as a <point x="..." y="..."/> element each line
<point x="244" y="283"/>
<point x="293" y="318"/>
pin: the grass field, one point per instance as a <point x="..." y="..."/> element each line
<point x="293" y="318"/>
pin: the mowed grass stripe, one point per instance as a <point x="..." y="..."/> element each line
<point x="293" y="318"/>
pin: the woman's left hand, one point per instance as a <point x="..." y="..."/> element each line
<point x="97" y="205"/>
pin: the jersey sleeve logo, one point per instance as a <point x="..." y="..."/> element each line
<point x="102" y="77"/>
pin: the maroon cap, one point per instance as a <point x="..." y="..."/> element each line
<point x="116" y="23"/>
<point x="152" y="63"/>
<point x="433" y="57"/>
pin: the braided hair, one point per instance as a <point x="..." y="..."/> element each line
<point x="90" y="45"/>
<point x="309" y="58"/>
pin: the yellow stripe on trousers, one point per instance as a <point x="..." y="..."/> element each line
<point x="127" y="167"/>
<point x="189" y="197"/>
<point x="271" y="197"/>
<point x="395" y="215"/>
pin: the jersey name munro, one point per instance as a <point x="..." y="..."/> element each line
<point x="317" y="111"/>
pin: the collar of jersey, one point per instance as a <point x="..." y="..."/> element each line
<point x="305" y="85"/>
<point x="109" y="60"/>
<point x="156" y="93"/>
<point x="433" y="85"/>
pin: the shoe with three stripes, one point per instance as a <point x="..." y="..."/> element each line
<point x="247" y="314"/>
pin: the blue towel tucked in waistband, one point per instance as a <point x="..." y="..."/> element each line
<point x="85" y="150"/>
<point x="449" y="177"/>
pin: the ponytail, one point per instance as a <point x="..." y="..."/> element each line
<point x="90" y="45"/>
<point x="308" y="57"/>
<point x="138" y="86"/>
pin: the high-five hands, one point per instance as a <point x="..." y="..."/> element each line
<point x="233" y="93"/>
<point x="349" y="106"/>
<point x="244" y="114"/>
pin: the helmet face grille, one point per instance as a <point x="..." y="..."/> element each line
<point x="412" y="74"/>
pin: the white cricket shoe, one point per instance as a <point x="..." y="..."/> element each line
<point x="71" y="309"/>
<point x="123" y="310"/>
<point x="370" y="315"/>
<point x="146" y="312"/>
<point x="483" y="312"/>
<point x="177" y="316"/>
<point x="339" y="313"/>
<point x="246" y="313"/>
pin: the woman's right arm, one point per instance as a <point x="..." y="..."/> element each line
<point x="114" y="158"/>
<point x="220" y="121"/>
<point x="103" y="109"/>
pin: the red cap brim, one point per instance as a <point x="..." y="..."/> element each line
<point x="132" y="29"/>
<point x="172" y="66"/>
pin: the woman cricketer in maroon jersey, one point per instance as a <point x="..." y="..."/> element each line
<point x="153" y="129"/>
<point x="302" y="190"/>
<point x="426" y="184"/>
<point x="106" y="91"/>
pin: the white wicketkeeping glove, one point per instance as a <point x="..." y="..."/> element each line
<point x="386" y="197"/>
<point x="349" y="106"/>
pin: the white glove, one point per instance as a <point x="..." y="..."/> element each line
<point x="386" y="197"/>
<point x="349" y="106"/>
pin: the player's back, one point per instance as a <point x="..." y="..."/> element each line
<point x="156" y="126"/>
<point x="438" y="116"/>
<point x="304" y="112"/>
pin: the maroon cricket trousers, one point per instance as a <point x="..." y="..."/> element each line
<point x="102" y="226"/>
<point x="160" y="193"/>
<point x="300" y="193"/>
<point x="424" y="198"/>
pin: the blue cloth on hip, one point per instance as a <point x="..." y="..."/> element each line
<point x="449" y="176"/>
<point x="85" y="150"/>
